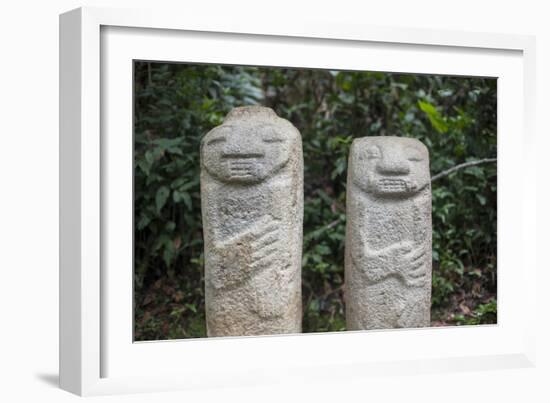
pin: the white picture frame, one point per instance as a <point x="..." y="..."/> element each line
<point x="97" y="355"/>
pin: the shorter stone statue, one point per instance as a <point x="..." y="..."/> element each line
<point x="388" y="260"/>
<point x="252" y="209"/>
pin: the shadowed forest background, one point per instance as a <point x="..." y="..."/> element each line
<point x="176" y="104"/>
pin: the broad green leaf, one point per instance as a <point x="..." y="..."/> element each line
<point x="434" y="116"/>
<point x="162" y="195"/>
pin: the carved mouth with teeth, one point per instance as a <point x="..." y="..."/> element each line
<point x="240" y="168"/>
<point x="388" y="185"/>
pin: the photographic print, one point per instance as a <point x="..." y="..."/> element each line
<point x="272" y="200"/>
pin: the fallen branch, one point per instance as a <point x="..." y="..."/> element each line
<point x="461" y="166"/>
<point x="434" y="178"/>
<point x="322" y="229"/>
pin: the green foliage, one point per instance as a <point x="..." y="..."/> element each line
<point x="483" y="314"/>
<point x="175" y="104"/>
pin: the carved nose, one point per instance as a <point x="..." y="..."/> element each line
<point x="232" y="148"/>
<point x="237" y="150"/>
<point x="393" y="167"/>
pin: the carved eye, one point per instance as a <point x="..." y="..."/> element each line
<point x="270" y="135"/>
<point x="216" y="141"/>
<point x="414" y="155"/>
<point x="273" y="140"/>
<point x="373" y="152"/>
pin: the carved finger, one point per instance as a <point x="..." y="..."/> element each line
<point x="404" y="247"/>
<point x="407" y="267"/>
<point x="263" y="256"/>
<point x="416" y="264"/>
<point x="268" y="239"/>
<point x="416" y="282"/>
<point x="417" y="273"/>
<point x="418" y="254"/>
<point x="265" y="230"/>
<point x="416" y="268"/>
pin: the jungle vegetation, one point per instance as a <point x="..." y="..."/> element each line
<point x="176" y="104"/>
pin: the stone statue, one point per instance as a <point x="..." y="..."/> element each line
<point x="252" y="210"/>
<point x="388" y="263"/>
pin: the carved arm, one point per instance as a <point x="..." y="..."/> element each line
<point x="234" y="260"/>
<point x="402" y="259"/>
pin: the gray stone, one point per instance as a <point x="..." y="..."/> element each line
<point x="252" y="209"/>
<point x="388" y="261"/>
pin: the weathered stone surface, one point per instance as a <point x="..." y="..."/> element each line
<point x="388" y="260"/>
<point x="252" y="209"/>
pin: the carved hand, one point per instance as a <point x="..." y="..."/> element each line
<point x="236" y="259"/>
<point x="412" y="267"/>
<point x="407" y="260"/>
<point x="398" y="259"/>
<point x="267" y="246"/>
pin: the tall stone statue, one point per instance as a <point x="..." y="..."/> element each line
<point x="388" y="261"/>
<point x="252" y="209"/>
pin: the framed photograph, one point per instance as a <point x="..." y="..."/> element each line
<point x="222" y="181"/>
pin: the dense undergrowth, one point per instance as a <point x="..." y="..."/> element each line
<point x="176" y="104"/>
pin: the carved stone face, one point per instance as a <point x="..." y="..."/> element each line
<point x="251" y="145"/>
<point x="390" y="166"/>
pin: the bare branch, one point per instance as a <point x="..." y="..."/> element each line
<point x="322" y="229"/>
<point x="461" y="166"/>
